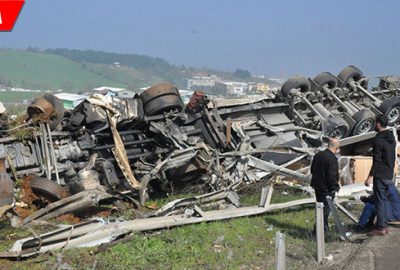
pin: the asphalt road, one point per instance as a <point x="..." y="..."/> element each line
<point x="374" y="253"/>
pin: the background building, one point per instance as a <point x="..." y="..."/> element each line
<point x="69" y="100"/>
<point x="205" y="83"/>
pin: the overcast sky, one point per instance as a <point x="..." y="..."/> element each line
<point x="275" y="38"/>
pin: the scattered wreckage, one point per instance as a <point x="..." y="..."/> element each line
<point x="151" y="145"/>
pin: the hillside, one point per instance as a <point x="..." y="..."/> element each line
<point x="80" y="71"/>
<point x="43" y="71"/>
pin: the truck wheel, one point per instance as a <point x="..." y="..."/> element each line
<point x="325" y="78"/>
<point x="391" y="109"/>
<point x="161" y="98"/>
<point x="351" y="72"/>
<point x="335" y="127"/>
<point x="293" y="83"/>
<point x="365" y="122"/>
<point x="48" y="189"/>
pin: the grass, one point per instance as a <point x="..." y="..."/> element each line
<point x="133" y="78"/>
<point x="242" y="243"/>
<point x="43" y="71"/>
<point x="10" y="97"/>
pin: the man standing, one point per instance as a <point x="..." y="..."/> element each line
<point x="325" y="176"/>
<point x="384" y="155"/>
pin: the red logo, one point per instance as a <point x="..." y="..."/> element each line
<point x="9" y="11"/>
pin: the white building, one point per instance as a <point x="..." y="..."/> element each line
<point x="236" y="88"/>
<point x="70" y="101"/>
<point x="202" y="83"/>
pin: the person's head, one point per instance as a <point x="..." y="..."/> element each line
<point x="333" y="145"/>
<point x="381" y="123"/>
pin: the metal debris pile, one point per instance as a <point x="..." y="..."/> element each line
<point x="109" y="149"/>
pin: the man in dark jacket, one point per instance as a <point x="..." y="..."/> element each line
<point x="384" y="155"/>
<point x="325" y="176"/>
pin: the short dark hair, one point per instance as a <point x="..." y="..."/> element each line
<point x="382" y="120"/>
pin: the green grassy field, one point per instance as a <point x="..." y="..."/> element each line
<point x="129" y="76"/>
<point x="7" y="96"/>
<point x="243" y="243"/>
<point x="50" y="72"/>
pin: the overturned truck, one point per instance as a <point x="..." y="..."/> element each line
<point x="147" y="144"/>
<point x="153" y="143"/>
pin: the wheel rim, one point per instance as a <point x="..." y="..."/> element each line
<point x="393" y="115"/>
<point x="365" y="127"/>
<point x="338" y="132"/>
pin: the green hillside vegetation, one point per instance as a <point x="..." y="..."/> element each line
<point x="131" y="77"/>
<point x="81" y="71"/>
<point x="43" y="71"/>
<point x="7" y="96"/>
<point x="150" y="69"/>
<point x="147" y="69"/>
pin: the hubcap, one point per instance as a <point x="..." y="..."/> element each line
<point x="339" y="133"/>
<point x="393" y="115"/>
<point x="365" y="127"/>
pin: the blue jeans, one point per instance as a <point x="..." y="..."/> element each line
<point x="381" y="187"/>
<point x="367" y="215"/>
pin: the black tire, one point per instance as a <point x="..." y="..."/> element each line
<point x="391" y="109"/>
<point x="365" y="122"/>
<point x="293" y="83"/>
<point x="351" y="72"/>
<point x="325" y="78"/>
<point x="48" y="189"/>
<point x="335" y="127"/>
<point x="158" y="90"/>
<point x="161" y="98"/>
<point x="163" y="104"/>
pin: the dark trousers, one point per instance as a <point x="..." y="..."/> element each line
<point x="381" y="187"/>
<point x="367" y="215"/>
<point x="321" y="197"/>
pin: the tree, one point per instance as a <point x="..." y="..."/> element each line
<point x="241" y="73"/>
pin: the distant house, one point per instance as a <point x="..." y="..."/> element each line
<point x="262" y="88"/>
<point x="234" y="88"/>
<point x="203" y="83"/>
<point x="70" y="101"/>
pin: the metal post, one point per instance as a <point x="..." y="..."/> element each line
<point x="47" y="153"/>
<point x="263" y="197"/>
<point x="266" y="195"/>
<point x="280" y="251"/>
<point x="342" y="229"/>
<point x="319" y="230"/>
<point x="52" y="153"/>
